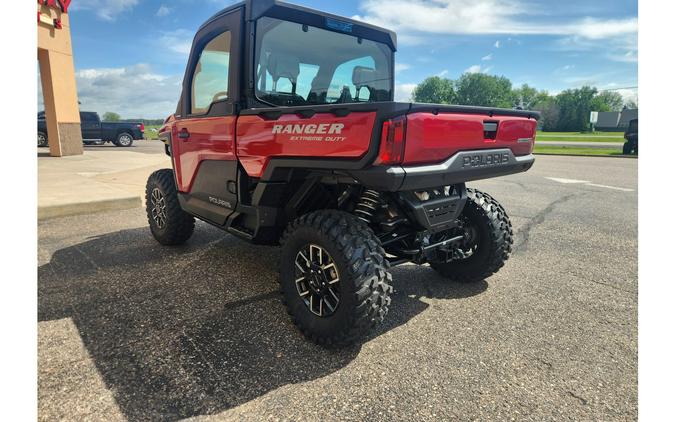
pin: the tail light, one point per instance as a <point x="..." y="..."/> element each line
<point x="141" y="127"/>
<point x="392" y="144"/>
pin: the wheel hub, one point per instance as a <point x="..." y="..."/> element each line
<point x="158" y="208"/>
<point x="317" y="280"/>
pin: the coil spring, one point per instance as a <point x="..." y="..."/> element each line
<point x="367" y="205"/>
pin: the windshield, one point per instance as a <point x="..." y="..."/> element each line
<point x="303" y="65"/>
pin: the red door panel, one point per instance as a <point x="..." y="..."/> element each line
<point x="322" y="136"/>
<point x="210" y="138"/>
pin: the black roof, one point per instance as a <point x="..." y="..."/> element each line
<point x="282" y="10"/>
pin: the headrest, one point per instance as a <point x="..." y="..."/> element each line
<point x="283" y="66"/>
<point x="363" y="76"/>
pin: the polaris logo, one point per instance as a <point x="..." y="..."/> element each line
<point x="220" y="202"/>
<point x="310" y="129"/>
<point x="485" y="160"/>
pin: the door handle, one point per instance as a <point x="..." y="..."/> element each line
<point x="184" y="134"/>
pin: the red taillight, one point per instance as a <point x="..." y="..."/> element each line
<point x="141" y="127"/>
<point x="392" y="144"/>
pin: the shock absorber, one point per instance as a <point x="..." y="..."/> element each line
<point x="367" y="205"/>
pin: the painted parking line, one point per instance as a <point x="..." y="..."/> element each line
<point x="611" y="187"/>
<point x="567" y="181"/>
<point x="588" y="183"/>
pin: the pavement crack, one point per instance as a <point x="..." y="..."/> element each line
<point x="87" y="257"/>
<point x="581" y="399"/>
<point x="549" y="365"/>
<point x="523" y="234"/>
<point x="201" y="354"/>
<point x="611" y="286"/>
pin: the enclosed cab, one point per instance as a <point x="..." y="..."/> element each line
<point x="286" y="125"/>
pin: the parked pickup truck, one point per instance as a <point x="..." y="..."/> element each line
<point x="94" y="131"/>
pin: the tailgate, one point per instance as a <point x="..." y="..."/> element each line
<point x="432" y="137"/>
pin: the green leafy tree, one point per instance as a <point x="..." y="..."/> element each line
<point x="526" y="97"/>
<point x="575" y="109"/>
<point x="550" y="113"/>
<point x="435" y="90"/>
<point x="109" y="116"/>
<point x="479" y="89"/>
<point x="607" y="101"/>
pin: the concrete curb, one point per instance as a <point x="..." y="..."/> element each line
<point x="63" y="210"/>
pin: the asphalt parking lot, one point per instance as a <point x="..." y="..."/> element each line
<point x="131" y="330"/>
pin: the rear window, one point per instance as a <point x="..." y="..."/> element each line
<point x="304" y="65"/>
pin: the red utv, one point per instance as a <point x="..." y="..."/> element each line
<point x="287" y="133"/>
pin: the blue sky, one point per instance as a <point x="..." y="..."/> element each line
<point x="130" y="54"/>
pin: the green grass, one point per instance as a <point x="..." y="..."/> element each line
<point x="580" y="137"/>
<point x="546" y="149"/>
<point x="150" y="134"/>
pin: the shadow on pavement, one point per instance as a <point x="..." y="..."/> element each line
<point x="198" y="329"/>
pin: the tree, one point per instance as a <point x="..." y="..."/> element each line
<point x="526" y="97"/>
<point x="607" y="101"/>
<point x="479" y="89"/>
<point x="435" y="90"/>
<point x="575" y="107"/>
<point x="109" y="116"/>
<point x="550" y="114"/>
<point x="631" y="104"/>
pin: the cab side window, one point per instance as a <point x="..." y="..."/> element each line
<point x="211" y="75"/>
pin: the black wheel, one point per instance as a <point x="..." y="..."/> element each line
<point x="334" y="278"/>
<point x="626" y="148"/>
<point x="42" y="139"/>
<point x="488" y="238"/>
<point x="169" y="224"/>
<point x="124" y="140"/>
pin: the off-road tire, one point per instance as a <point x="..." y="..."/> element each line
<point x="365" y="281"/>
<point x="124" y="139"/>
<point x="42" y="139"/>
<point x="495" y="240"/>
<point x="179" y="225"/>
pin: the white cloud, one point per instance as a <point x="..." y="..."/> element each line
<point x="403" y="92"/>
<point x="486" y="58"/>
<point x="178" y="41"/>
<point x="105" y="9"/>
<point x="474" y="69"/>
<point x="400" y="67"/>
<point x="630" y="94"/>
<point x="484" y="17"/>
<point x="442" y="73"/>
<point x="163" y="11"/>
<point x="498" y="44"/>
<point x="133" y="91"/>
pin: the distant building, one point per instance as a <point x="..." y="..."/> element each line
<point x="610" y="121"/>
<point x="626" y="117"/>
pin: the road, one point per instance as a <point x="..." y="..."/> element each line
<point x="131" y="330"/>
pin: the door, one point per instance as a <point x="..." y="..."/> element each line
<point x="203" y="136"/>
<point x="91" y="126"/>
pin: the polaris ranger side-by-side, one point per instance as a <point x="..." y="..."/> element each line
<point x="286" y="133"/>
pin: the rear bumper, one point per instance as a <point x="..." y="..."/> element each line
<point x="462" y="167"/>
